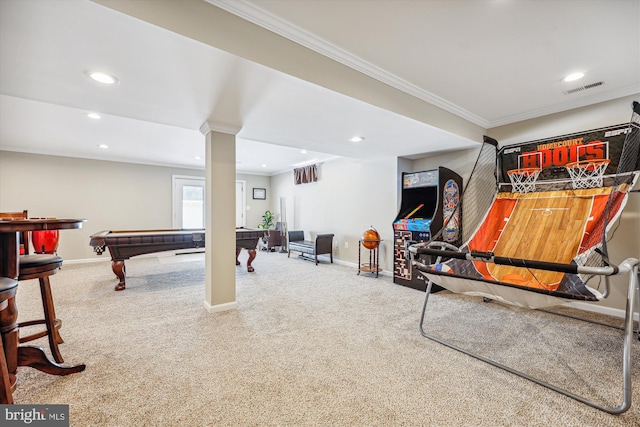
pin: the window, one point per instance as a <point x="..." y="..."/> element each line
<point x="189" y="202"/>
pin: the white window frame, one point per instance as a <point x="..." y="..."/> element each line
<point x="176" y="198"/>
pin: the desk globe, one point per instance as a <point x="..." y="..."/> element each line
<point x="370" y="239"/>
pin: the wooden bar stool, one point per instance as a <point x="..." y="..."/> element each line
<point x="39" y="266"/>
<point x="8" y="289"/>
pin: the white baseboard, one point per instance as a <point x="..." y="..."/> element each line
<point x="610" y="311"/>
<point x="106" y="257"/>
<point x="86" y="260"/>
<point x="220" y="307"/>
<point x="353" y="265"/>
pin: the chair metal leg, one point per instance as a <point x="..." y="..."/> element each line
<point x="626" y="365"/>
<point x="638" y="286"/>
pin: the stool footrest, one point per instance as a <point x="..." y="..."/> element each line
<point x="33" y="336"/>
<point x="57" y="324"/>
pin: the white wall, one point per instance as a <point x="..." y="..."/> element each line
<point x="459" y="161"/>
<point x="347" y="199"/>
<point x="109" y="195"/>
<point x="256" y="208"/>
<point x="351" y="196"/>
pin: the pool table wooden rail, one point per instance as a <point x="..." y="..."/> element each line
<point x="126" y="244"/>
<point x="123" y="245"/>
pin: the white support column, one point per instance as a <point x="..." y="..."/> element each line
<point x="220" y="240"/>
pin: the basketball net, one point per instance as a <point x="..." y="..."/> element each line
<point x="523" y="180"/>
<point x="587" y="173"/>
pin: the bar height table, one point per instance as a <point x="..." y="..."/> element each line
<point x="17" y="355"/>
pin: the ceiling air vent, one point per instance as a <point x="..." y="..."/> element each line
<point x="585" y="87"/>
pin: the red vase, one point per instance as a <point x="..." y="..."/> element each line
<point x="46" y="241"/>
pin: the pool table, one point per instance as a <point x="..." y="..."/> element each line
<point x="123" y="245"/>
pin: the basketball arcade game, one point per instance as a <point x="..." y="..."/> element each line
<point x="543" y="241"/>
<point x="554" y="198"/>
<point x="428" y="199"/>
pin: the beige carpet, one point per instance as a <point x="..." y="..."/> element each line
<point x="310" y="346"/>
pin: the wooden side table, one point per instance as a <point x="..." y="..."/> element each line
<point x="373" y="266"/>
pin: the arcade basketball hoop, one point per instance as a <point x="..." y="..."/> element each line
<point x="523" y="180"/>
<point x="587" y="173"/>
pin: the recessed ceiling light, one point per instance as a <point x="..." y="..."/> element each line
<point x="101" y="77"/>
<point x="94" y="116"/>
<point x="103" y="146"/>
<point x="264" y="165"/>
<point x="198" y="158"/>
<point x="573" y="77"/>
<point x="303" y="151"/>
<point x="357" y="138"/>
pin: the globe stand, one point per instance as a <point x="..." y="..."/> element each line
<point x="373" y="266"/>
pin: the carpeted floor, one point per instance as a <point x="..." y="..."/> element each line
<point x="311" y="346"/>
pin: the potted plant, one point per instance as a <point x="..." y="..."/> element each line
<point x="267" y="220"/>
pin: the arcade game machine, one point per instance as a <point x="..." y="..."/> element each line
<point x="428" y="198"/>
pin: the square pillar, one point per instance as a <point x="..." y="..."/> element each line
<point x="220" y="239"/>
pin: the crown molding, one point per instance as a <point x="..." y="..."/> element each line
<point x="569" y="105"/>
<point x="210" y="126"/>
<point x="256" y="15"/>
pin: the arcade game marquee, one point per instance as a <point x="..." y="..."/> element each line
<point x="428" y="199"/>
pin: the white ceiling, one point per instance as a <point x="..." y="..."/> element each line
<point x="491" y="62"/>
